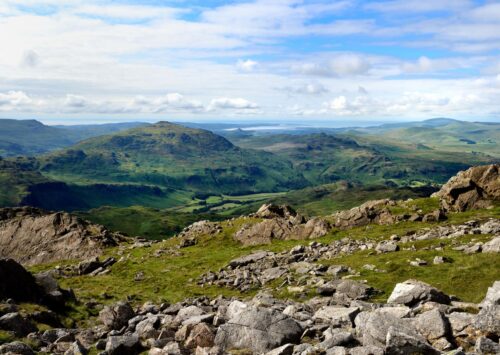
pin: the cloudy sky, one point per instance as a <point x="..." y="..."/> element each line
<point x="282" y="60"/>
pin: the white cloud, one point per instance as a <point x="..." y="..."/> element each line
<point x="14" y="99"/>
<point x="416" y="6"/>
<point x="307" y="89"/>
<point x="340" y="65"/>
<point x="246" y="65"/>
<point x="224" y="103"/>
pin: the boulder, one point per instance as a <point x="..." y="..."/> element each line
<point x="16" y="348"/>
<point x="14" y="322"/>
<point x="258" y="329"/>
<point x="286" y="349"/>
<point x="477" y="187"/>
<point x="376" y="211"/>
<point x="432" y="325"/>
<point x="123" y="345"/>
<point x="269" y="211"/>
<point x="17" y="283"/>
<point x="493" y="246"/>
<point x="386" y="247"/>
<point x="116" y="316"/>
<point x="413" y="292"/>
<point x="486" y="346"/>
<point x="201" y="335"/>
<point x="399" y="342"/>
<point x="336" y="316"/>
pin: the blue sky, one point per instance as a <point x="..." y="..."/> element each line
<point x="78" y="61"/>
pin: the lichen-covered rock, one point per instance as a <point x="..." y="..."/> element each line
<point x="116" y="316"/>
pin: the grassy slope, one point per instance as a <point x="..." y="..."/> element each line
<point x="467" y="277"/>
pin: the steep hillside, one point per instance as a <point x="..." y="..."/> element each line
<point x="169" y="155"/>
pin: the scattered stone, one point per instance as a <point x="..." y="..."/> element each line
<point x="493" y="246"/>
<point x="123" y="345"/>
<point x="116" y="316"/>
<point x="386" y="247"/>
<point x="413" y="292"/>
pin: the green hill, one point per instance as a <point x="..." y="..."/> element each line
<point x="172" y="156"/>
<point x="31" y="137"/>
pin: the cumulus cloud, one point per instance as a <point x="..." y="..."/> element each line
<point x="339" y="66"/>
<point x="170" y="101"/>
<point x="246" y="65"/>
<point x="224" y="103"/>
<point x="14" y="98"/>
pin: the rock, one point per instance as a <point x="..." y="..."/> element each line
<point x="492" y="295"/>
<point x="370" y="212"/>
<point x="400" y="342"/>
<point x="258" y="329"/>
<point x="477" y="187"/>
<point x="116" y="316"/>
<point x="493" y="246"/>
<point x="486" y="346"/>
<point x="188" y="312"/>
<point x="434" y="216"/>
<point x="16" y="323"/>
<point x="432" y="325"/>
<point x="286" y="349"/>
<point x="272" y="274"/>
<point x="147" y="328"/>
<point x="32" y="236"/>
<point x="366" y="350"/>
<point x="488" y="320"/>
<point x="336" y="337"/>
<point x="460" y="323"/>
<point x="373" y="327"/>
<point x="269" y="211"/>
<point x="76" y="349"/>
<point x="440" y="260"/>
<point x="413" y="292"/>
<point x="201" y="335"/>
<point x="123" y="345"/>
<point x="418" y="262"/>
<point x="248" y="259"/>
<point x="337" y="316"/>
<point x="386" y="247"/>
<point x="16" y="348"/>
<point x="17" y="283"/>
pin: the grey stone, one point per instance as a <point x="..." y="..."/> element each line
<point x="413" y="292"/>
<point x="386" y="247"/>
<point x="258" y="329"/>
<point x="460" y="322"/>
<point x="116" y="316"/>
<point x="488" y="320"/>
<point x="400" y="342"/>
<point x="492" y="295"/>
<point x="493" y="246"/>
<point x="123" y="345"/>
<point x="432" y="325"/>
<point x="486" y="346"/>
<point x="76" y="348"/>
<point x="337" y="316"/>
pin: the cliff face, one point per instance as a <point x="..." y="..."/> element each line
<point x="33" y="236"/>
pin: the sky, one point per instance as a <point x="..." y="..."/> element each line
<point x="78" y="61"/>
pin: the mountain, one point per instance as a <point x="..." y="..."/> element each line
<point x="171" y="156"/>
<point x="31" y="137"/>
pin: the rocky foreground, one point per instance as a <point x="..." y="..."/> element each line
<point x="338" y="313"/>
<point x="417" y="319"/>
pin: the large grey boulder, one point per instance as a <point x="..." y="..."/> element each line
<point x="123" y="345"/>
<point x="486" y="346"/>
<point x="488" y="318"/>
<point x="492" y="295"/>
<point x="372" y="327"/>
<point x="413" y="292"/>
<point x="399" y="342"/>
<point x="258" y="329"/>
<point x="432" y="325"/>
<point x="116" y="316"/>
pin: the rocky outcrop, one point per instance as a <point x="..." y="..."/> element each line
<point x="477" y="187"/>
<point x="376" y="211"/>
<point x="32" y="236"/>
<point x="282" y="223"/>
